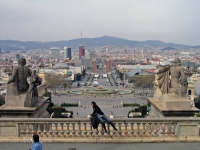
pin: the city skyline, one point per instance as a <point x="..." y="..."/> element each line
<point x="168" y="21"/>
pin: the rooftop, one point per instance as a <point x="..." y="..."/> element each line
<point x="138" y="66"/>
<point x="61" y="65"/>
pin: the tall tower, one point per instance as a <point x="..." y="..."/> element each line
<point x="111" y="58"/>
<point x="94" y="65"/>
<point x="134" y="57"/>
<point x="81" y="51"/>
<point x="67" y="53"/>
<point x="107" y="65"/>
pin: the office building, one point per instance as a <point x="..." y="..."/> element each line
<point x="67" y="53"/>
<point x="17" y="56"/>
<point x="81" y="51"/>
<point x="55" y="52"/>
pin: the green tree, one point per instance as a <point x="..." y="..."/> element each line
<point x="83" y="72"/>
<point x="78" y="77"/>
<point x="143" y="81"/>
<point x="121" y="75"/>
<point x="197" y="102"/>
<point x="57" y="82"/>
<point x="2" y="100"/>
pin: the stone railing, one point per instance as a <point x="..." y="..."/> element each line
<point x="80" y="130"/>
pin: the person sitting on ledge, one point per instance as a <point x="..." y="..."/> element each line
<point x="38" y="144"/>
<point x="101" y="116"/>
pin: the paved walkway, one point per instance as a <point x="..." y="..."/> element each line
<point x="105" y="103"/>
<point x="94" y="146"/>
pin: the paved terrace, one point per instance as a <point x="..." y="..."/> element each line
<point x="105" y="103"/>
<point x="97" y="146"/>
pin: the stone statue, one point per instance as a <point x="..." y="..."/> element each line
<point x="19" y="92"/>
<point x="35" y="81"/>
<point x="19" y="75"/>
<point x="170" y="95"/>
<point x="172" y="79"/>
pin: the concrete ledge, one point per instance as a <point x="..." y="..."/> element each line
<point x="105" y="140"/>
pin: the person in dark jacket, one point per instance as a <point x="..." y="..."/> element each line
<point x="101" y="116"/>
<point x="95" y="121"/>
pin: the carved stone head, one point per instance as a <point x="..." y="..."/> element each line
<point x="22" y="61"/>
<point x="177" y="62"/>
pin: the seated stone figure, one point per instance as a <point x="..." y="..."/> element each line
<point x="178" y="82"/>
<point x="35" y="81"/>
<point x="172" y="79"/>
<point x="18" y="86"/>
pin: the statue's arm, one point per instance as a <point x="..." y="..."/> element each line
<point x="29" y="72"/>
<point x="163" y="69"/>
<point x="13" y="77"/>
<point x="183" y="78"/>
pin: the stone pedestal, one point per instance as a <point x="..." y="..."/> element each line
<point x="22" y="105"/>
<point x="111" y="116"/>
<point x="79" y="104"/>
<point x="121" y="104"/>
<point x="173" y="101"/>
<point x="37" y="111"/>
<point x="171" y="106"/>
<point x="15" y="98"/>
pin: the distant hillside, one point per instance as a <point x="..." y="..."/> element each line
<point x="197" y="47"/>
<point x="88" y="42"/>
<point x="169" y="48"/>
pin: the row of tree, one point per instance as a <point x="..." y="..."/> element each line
<point x="57" y="82"/>
<point x="143" y="81"/>
<point x="61" y="82"/>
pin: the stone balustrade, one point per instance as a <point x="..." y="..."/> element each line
<point x="80" y="130"/>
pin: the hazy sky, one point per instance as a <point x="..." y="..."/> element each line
<point x="48" y="20"/>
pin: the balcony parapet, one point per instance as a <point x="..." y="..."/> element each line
<point x="80" y="130"/>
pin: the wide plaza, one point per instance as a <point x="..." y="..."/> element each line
<point x="105" y="103"/>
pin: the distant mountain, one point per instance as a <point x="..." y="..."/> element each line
<point x="169" y="48"/>
<point x="88" y="42"/>
<point x="197" y="47"/>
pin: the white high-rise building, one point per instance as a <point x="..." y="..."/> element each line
<point x="55" y="52"/>
<point x="67" y="53"/>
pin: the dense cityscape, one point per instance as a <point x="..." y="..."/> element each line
<point x="101" y="67"/>
<point x="99" y="75"/>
